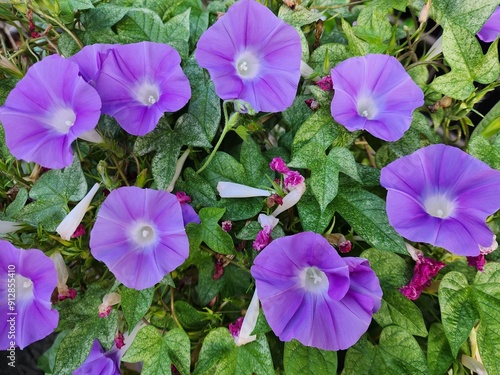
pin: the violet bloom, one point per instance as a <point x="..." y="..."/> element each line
<point x="139" y="82"/>
<point x="491" y="29"/>
<point x="311" y="294"/>
<point x="442" y="196"/>
<point x="47" y="110"/>
<point x="253" y="56"/>
<point x="100" y="362"/>
<point x="32" y="277"/>
<point x="189" y="215"/>
<point x="374" y="93"/>
<point x="139" y="234"/>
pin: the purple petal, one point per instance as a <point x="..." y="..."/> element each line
<point x="189" y="215"/>
<point x="139" y="82"/>
<point x="249" y="28"/>
<point x="90" y="59"/>
<point x="491" y="29"/>
<point x="139" y="234"/>
<point x="374" y="93"/>
<point x="100" y="362"/>
<point x="47" y="110"/>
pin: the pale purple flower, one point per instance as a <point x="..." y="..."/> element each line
<point x="139" y="82"/>
<point x="374" y="93"/>
<point x="31" y="276"/>
<point x="311" y="294"/>
<point x="189" y="215"/>
<point x="491" y="29"/>
<point x="139" y="234"/>
<point x="442" y="196"/>
<point x="100" y="361"/>
<point x="253" y="56"/>
<point x="47" y="110"/>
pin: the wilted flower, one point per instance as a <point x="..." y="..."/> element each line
<point x="479" y="261"/>
<point x="31" y="275"/>
<point x="252" y="55"/>
<point x="491" y="29"/>
<point x="442" y="196"/>
<point x="374" y="93"/>
<point x="68" y="226"/>
<point x="189" y="215"/>
<point x="139" y="82"/>
<point x="243" y="335"/>
<point x="108" y="301"/>
<point x="63" y="292"/>
<point x="47" y="110"/>
<point x="311" y="294"/>
<point x="267" y="222"/>
<point x="139" y="234"/>
<point x="278" y="165"/>
<point x="227" y="225"/>
<point x="325" y="83"/>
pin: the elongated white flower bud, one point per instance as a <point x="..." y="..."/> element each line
<point x="74" y="218"/>
<point x="178" y="169"/>
<point x="234" y="190"/>
<point x="9" y="226"/>
<point x="91" y="136"/>
<point x="291" y="199"/>
<point x="249" y="322"/>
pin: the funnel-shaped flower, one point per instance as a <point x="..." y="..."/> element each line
<point x="25" y="290"/>
<point x="374" y="93"/>
<point x="100" y="361"/>
<point x="139" y="82"/>
<point x="47" y="110"/>
<point x="442" y="196"/>
<point x="139" y="234"/>
<point x="491" y="29"/>
<point x="90" y="59"/>
<point x="311" y="294"/>
<point x="253" y="56"/>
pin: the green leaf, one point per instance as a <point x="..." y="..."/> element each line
<point x="141" y="24"/>
<point x="51" y="193"/>
<point x="333" y="52"/>
<point x="306" y="360"/>
<point x="365" y="212"/>
<point x="135" y="304"/>
<point x="490" y="124"/>
<point x="159" y="352"/>
<point x="482" y="149"/>
<point x="212" y="233"/>
<point x="167" y="143"/>
<point x="389" y="4"/>
<point x="298" y="17"/>
<point x="311" y="217"/>
<point x="373" y="26"/>
<point x="103" y="16"/>
<point x="487" y="294"/>
<point x="457" y="309"/>
<point x="219" y="355"/>
<point x="397" y="353"/>
<point x="357" y="46"/>
<point x="439" y="355"/>
<point x="188" y="316"/>
<point x="407" y="144"/>
<point x="204" y="103"/>
<point x="256" y="166"/>
<point x="200" y="191"/>
<point x="324" y="181"/>
<point x="81" y="4"/>
<point x="47" y="360"/>
<point x="18" y="203"/>
<point x="177" y="33"/>
<point x="391" y="269"/>
<point x="319" y="128"/>
<point x="398" y="310"/>
<point x="463" y="53"/>
<point x="75" y="346"/>
<point x="468" y="14"/>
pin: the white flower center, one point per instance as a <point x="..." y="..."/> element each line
<point x="247" y="65"/>
<point x="367" y="107"/>
<point x="439" y="206"/>
<point x="24" y="287"/>
<point x="314" y="280"/>
<point x="144" y="234"/>
<point x="147" y="93"/>
<point x="63" y="120"/>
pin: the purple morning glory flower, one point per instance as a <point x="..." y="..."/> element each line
<point x="491" y="29"/>
<point x="90" y="60"/>
<point x="442" y="196"/>
<point x="311" y="294"/>
<point x="47" y="110"/>
<point x="374" y="93"/>
<point x="139" y="234"/>
<point x="31" y="276"/>
<point x="253" y="56"/>
<point x="139" y="82"/>
<point x="100" y="362"/>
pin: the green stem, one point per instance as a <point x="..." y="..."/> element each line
<point x="228" y="125"/>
